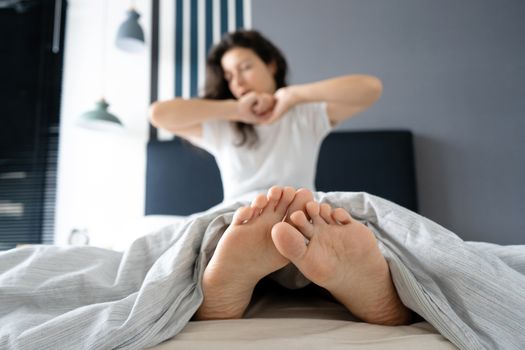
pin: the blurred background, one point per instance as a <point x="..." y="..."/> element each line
<point x="453" y="74"/>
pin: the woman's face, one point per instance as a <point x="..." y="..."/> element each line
<point x="245" y="71"/>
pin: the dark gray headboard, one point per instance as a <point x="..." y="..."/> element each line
<point x="181" y="179"/>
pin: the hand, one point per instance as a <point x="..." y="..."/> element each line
<point x="285" y="99"/>
<point x="264" y="106"/>
<point x="254" y="107"/>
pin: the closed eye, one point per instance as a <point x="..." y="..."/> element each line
<point x="245" y="67"/>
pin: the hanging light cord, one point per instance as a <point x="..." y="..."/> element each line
<point x="104" y="44"/>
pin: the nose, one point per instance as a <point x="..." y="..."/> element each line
<point x="238" y="79"/>
<point x="237" y="83"/>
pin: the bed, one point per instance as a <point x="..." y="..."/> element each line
<point x="304" y="319"/>
<point x="183" y="180"/>
<point x="468" y="294"/>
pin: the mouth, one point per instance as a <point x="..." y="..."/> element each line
<point x="244" y="93"/>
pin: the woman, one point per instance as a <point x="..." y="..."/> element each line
<point x="248" y="113"/>
<point x="264" y="133"/>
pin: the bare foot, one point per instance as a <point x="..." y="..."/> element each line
<point x="341" y="254"/>
<point x="246" y="253"/>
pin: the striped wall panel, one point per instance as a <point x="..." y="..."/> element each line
<point x="186" y="31"/>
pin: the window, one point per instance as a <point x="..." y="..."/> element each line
<point x="31" y="36"/>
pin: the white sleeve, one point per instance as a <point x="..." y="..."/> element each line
<point x="316" y="117"/>
<point x="213" y="134"/>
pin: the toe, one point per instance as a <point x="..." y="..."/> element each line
<point x="302" y="196"/>
<point x="286" y="198"/>
<point x="260" y="202"/>
<point x="273" y="197"/>
<point x="242" y="215"/>
<point x="341" y="216"/>
<point x="274" y="193"/>
<point x="326" y="213"/>
<point x="301" y="222"/>
<point x="289" y="242"/>
<point x="312" y="209"/>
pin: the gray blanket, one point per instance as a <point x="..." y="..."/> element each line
<point x="89" y="298"/>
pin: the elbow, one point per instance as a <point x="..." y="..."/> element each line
<point x="375" y="88"/>
<point x="155" y="114"/>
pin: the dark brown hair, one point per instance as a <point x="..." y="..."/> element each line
<point x="216" y="86"/>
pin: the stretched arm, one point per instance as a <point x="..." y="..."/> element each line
<point x="345" y="96"/>
<point x="184" y="117"/>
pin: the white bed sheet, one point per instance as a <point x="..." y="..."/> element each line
<point x="302" y="320"/>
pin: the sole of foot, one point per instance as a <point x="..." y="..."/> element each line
<point x="341" y="255"/>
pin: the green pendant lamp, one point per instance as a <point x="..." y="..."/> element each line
<point x="99" y="118"/>
<point x="130" y="36"/>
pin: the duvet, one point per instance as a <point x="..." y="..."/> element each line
<point x="84" y="297"/>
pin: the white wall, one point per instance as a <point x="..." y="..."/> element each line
<point x="101" y="176"/>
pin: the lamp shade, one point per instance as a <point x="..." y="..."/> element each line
<point x="130" y="36"/>
<point x="99" y="118"/>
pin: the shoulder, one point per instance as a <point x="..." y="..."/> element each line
<point x="310" y="108"/>
<point x="213" y="135"/>
<point x="310" y="112"/>
<point x="312" y="116"/>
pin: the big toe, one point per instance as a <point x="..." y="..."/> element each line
<point x="302" y="196"/>
<point x="289" y="242"/>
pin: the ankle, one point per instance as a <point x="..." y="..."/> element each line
<point x="388" y="311"/>
<point x="224" y="298"/>
<point x="390" y="315"/>
<point x="208" y="312"/>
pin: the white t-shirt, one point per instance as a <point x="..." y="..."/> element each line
<point x="286" y="152"/>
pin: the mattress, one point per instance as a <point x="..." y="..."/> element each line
<point x="302" y="319"/>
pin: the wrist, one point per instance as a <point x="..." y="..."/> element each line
<point x="295" y="94"/>
<point x="287" y="97"/>
<point x="231" y="110"/>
